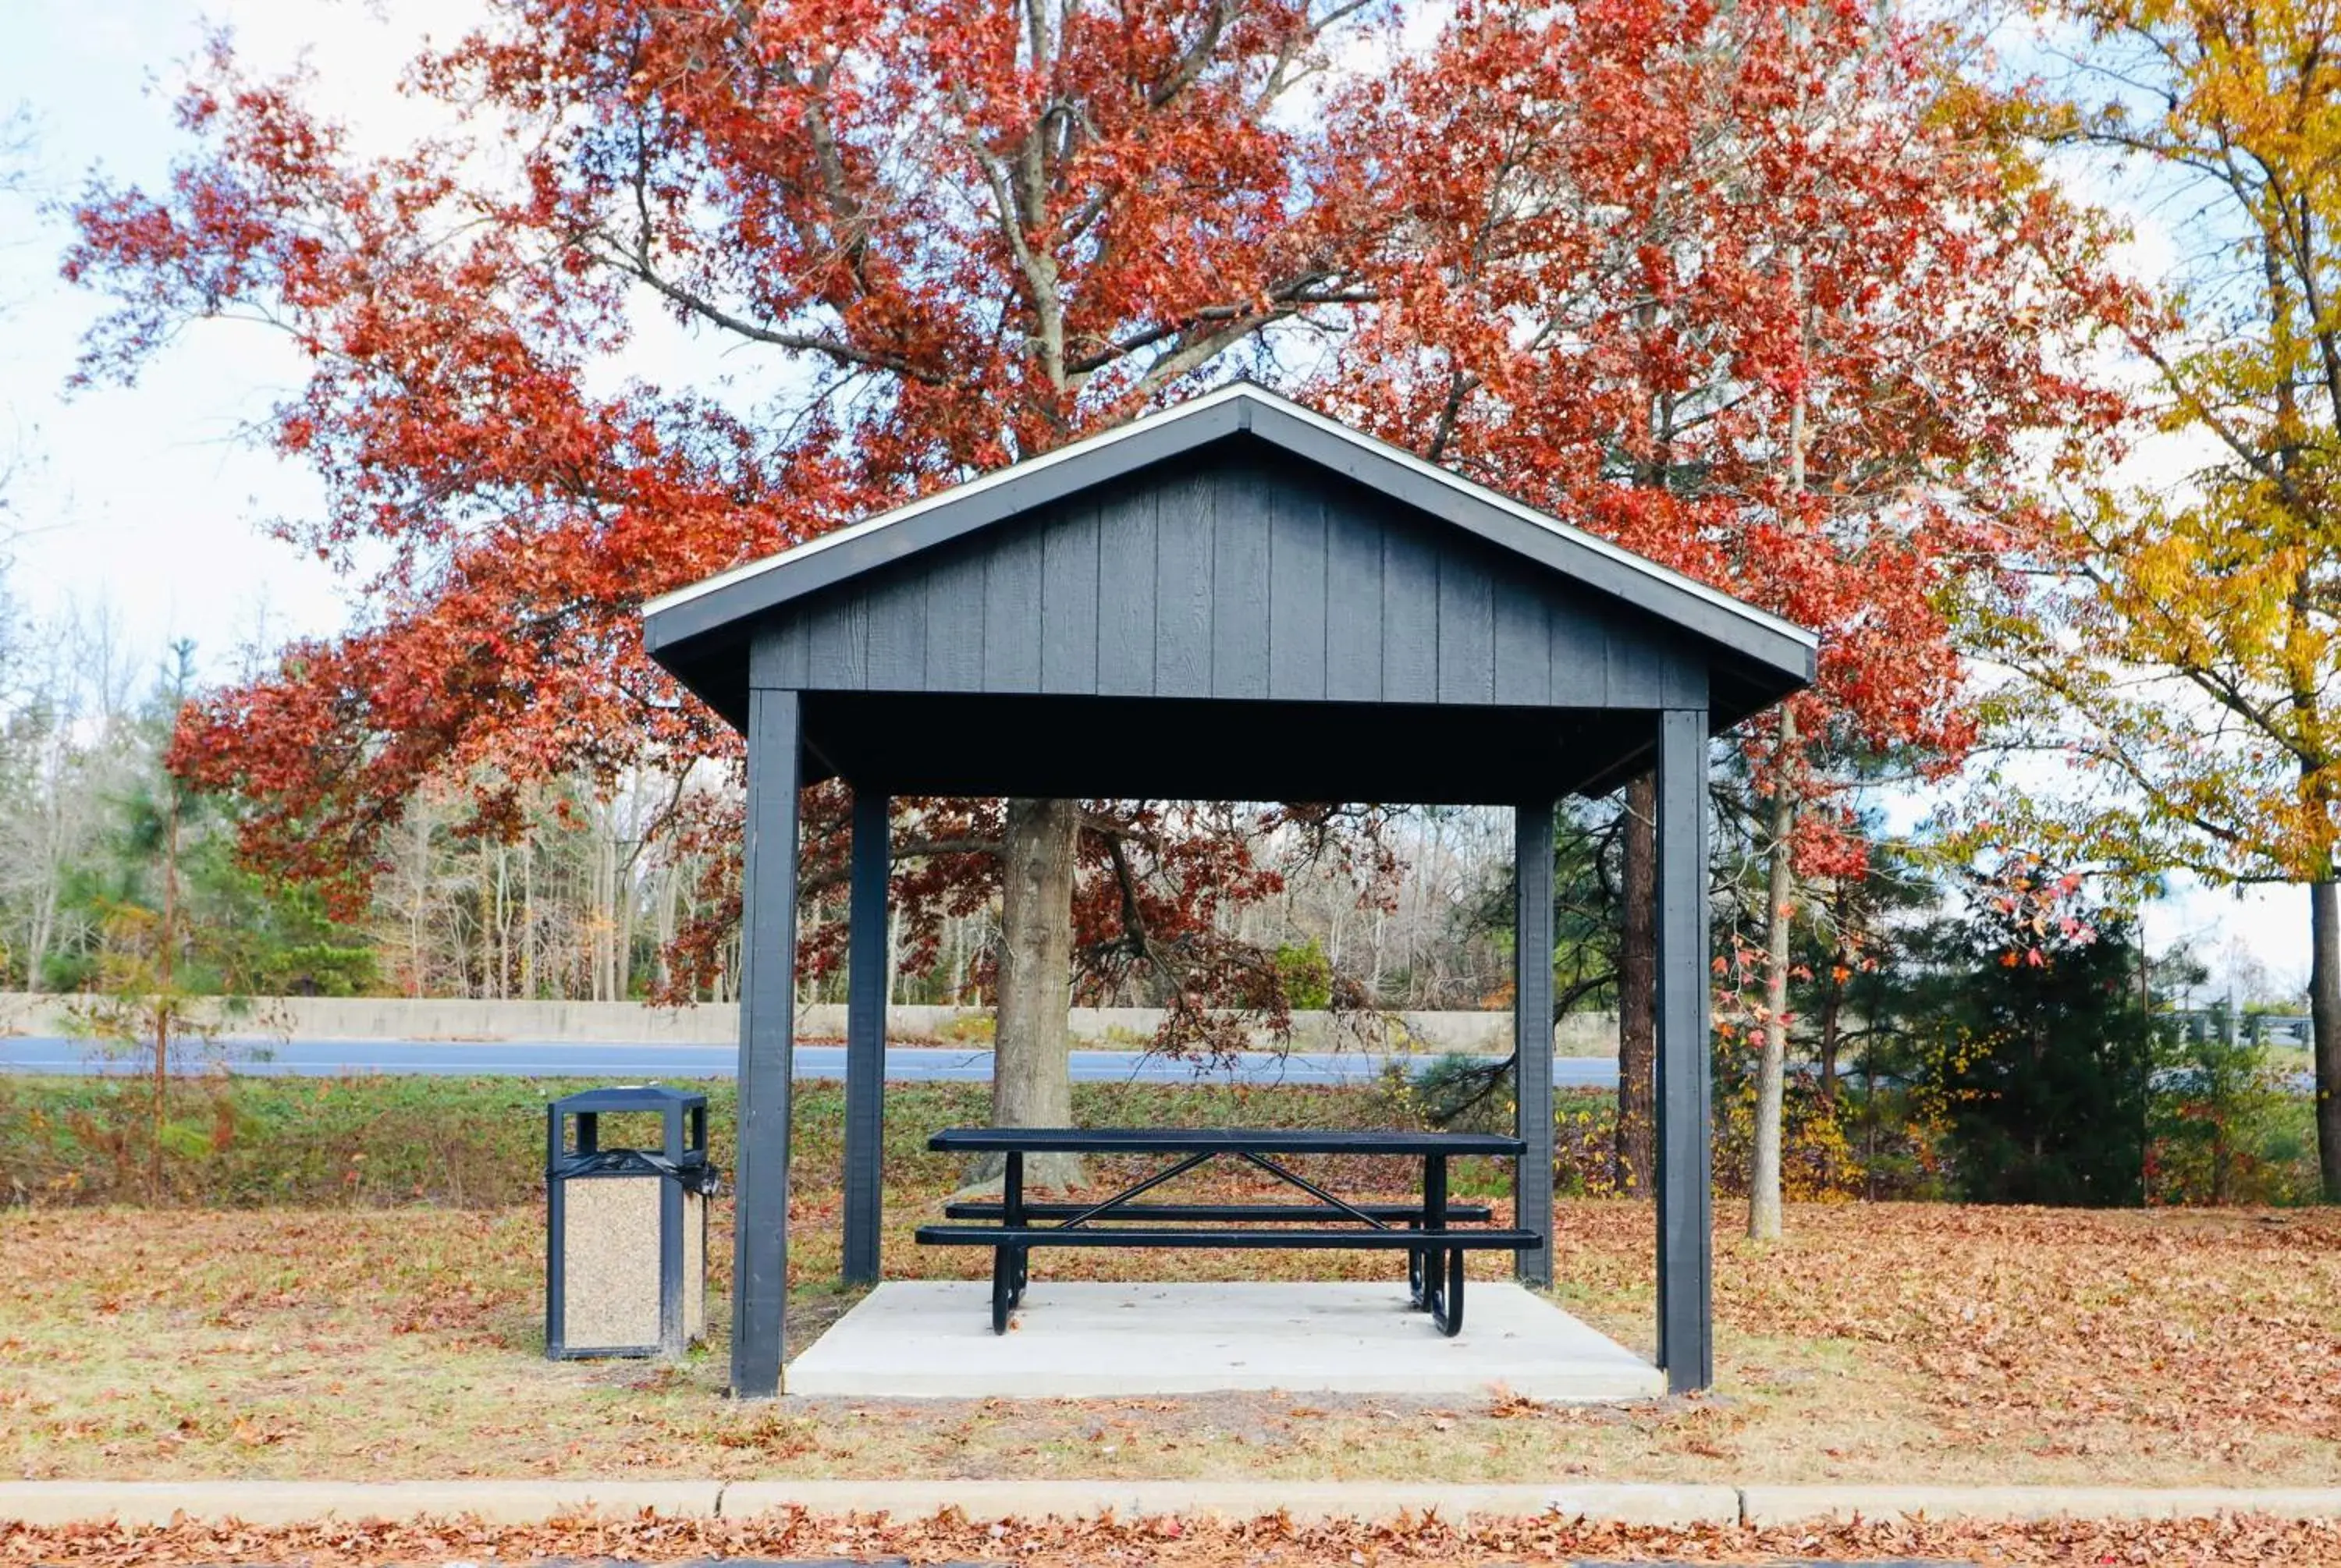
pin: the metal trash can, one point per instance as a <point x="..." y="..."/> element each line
<point x="626" y="1228"/>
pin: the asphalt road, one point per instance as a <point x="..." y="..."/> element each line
<point x="573" y="1059"/>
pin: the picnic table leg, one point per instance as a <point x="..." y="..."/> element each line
<point x="1020" y="1263"/>
<point x="1439" y="1269"/>
<point x="1447" y="1311"/>
<point x="1002" y="1273"/>
<point x="1419" y="1286"/>
<point x="1424" y="1264"/>
<point x="1008" y="1263"/>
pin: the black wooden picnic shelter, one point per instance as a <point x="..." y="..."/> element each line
<point x="1236" y="599"/>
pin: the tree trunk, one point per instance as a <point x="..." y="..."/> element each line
<point x="1832" y="1030"/>
<point x="166" y="977"/>
<point x="893" y="952"/>
<point x="2325" y="1015"/>
<point x="499" y="940"/>
<point x="43" y="921"/>
<point x="1771" y="1069"/>
<point x="527" y="920"/>
<point x="1031" y="1082"/>
<point x="1638" y="980"/>
<point x="415" y="959"/>
<point x="622" y="945"/>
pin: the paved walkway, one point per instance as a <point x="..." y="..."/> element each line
<point x="266" y="1503"/>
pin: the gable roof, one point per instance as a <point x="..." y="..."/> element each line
<point x="679" y="627"/>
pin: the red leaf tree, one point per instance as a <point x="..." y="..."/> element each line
<point x="1736" y="287"/>
<point x="954" y="235"/>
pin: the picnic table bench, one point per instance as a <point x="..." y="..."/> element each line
<point x="1426" y="1231"/>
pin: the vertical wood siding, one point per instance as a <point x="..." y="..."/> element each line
<point x="1070" y="598"/>
<point x="1233" y="580"/>
<point x="1298" y="594"/>
<point x="1125" y="613"/>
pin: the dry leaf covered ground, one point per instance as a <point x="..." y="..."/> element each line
<point x="1187" y="1543"/>
<point x="1891" y="1343"/>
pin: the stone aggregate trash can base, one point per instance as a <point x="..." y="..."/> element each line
<point x="626" y="1228"/>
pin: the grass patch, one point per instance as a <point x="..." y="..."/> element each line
<point x="372" y="1327"/>
<point x="479" y="1143"/>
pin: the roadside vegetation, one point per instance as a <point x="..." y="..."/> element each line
<point x="2216" y="1135"/>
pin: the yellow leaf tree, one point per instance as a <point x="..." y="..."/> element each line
<point x="2186" y="654"/>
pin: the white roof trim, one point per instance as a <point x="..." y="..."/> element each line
<point x="1233" y="392"/>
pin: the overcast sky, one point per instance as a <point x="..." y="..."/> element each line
<point x="146" y="504"/>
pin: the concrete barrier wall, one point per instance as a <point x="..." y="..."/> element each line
<point x="401" y="1018"/>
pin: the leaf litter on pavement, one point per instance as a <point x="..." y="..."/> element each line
<point x="1172" y="1541"/>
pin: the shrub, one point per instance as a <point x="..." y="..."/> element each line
<point x="2224" y="1128"/>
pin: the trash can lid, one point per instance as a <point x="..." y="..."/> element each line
<point x="630" y="1098"/>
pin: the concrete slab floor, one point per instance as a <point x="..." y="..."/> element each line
<point x="1078" y="1339"/>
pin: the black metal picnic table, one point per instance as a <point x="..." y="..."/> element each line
<point x="1431" y="1232"/>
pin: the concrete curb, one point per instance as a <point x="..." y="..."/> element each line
<point x="263" y="1503"/>
<point x="44" y="1502"/>
<point x="1794" y="1504"/>
<point x="290" y="1502"/>
<point x="1622" y="1504"/>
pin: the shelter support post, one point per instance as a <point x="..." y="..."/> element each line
<point x="865" y="1034"/>
<point x="1532" y="847"/>
<point x="1685" y="1191"/>
<point x="768" y="963"/>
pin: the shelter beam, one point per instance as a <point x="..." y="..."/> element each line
<point x="865" y="1034"/>
<point x="1532" y="848"/>
<point x="1685" y="1189"/>
<point x="768" y="962"/>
